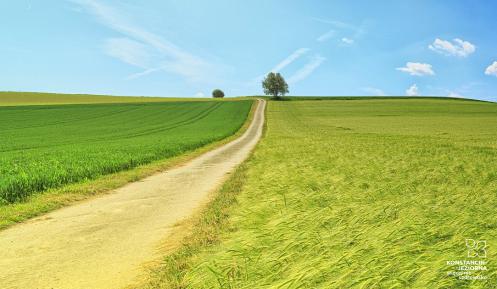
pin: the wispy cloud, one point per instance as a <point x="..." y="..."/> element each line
<point x="418" y="69"/>
<point x="328" y="35"/>
<point x="144" y="73"/>
<point x="374" y="91"/>
<point x="200" y="94"/>
<point x="290" y="59"/>
<point x="412" y="90"/>
<point x="128" y="51"/>
<point x="173" y="59"/>
<point x="307" y="69"/>
<point x="466" y="90"/>
<point x="352" y="32"/>
<point x="336" y="23"/>
<point x="458" y="47"/>
<point x="347" y="41"/>
<point x="455" y="95"/>
<point x="284" y="63"/>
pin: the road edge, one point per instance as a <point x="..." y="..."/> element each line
<point x="199" y="232"/>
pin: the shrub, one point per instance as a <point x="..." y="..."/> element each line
<point x="217" y="93"/>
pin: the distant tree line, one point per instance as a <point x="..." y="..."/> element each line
<point x="273" y="84"/>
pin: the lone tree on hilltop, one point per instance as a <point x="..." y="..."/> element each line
<point x="217" y="93"/>
<point x="275" y="85"/>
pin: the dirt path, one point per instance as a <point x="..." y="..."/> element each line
<point x="103" y="243"/>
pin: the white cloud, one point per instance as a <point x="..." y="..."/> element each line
<point x="352" y="31"/>
<point x="128" y="51"/>
<point x="458" y="47"/>
<point x="455" y="95"/>
<point x="419" y="69"/>
<point x="412" y="91"/>
<point x="347" y="41"/>
<point x="492" y="69"/>
<point x="144" y="73"/>
<point x="290" y="59"/>
<point x="358" y="31"/>
<point x="199" y="94"/>
<point x="335" y="23"/>
<point x="280" y="66"/>
<point x="374" y="91"/>
<point x="326" y="36"/>
<point x="173" y="59"/>
<point x="307" y="69"/>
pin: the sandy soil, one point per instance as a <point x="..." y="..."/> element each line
<point x="105" y="242"/>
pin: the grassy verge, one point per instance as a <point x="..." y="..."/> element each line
<point x="198" y="234"/>
<point x="49" y="200"/>
<point x="204" y="233"/>
<point x="352" y="194"/>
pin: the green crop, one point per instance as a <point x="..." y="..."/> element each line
<point x="37" y="98"/>
<point x="44" y="147"/>
<point x="355" y="194"/>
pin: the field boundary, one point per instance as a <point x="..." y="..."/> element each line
<point x="304" y="98"/>
<point x="50" y="200"/>
<point x="200" y="231"/>
<point x="15" y="99"/>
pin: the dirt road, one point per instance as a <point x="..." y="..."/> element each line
<point x="104" y="242"/>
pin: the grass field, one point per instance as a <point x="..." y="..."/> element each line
<point x="43" y="147"/>
<point x="36" y="98"/>
<point x="352" y="194"/>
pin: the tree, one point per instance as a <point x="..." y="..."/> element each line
<point x="274" y="84"/>
<point x="217" y="93"/>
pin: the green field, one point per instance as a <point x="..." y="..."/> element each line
<point x="44" y="147"/>
<point x="36" y="98"/>
<point x="352" y="194"/>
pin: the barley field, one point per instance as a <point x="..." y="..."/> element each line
<point x="353" y="194"/>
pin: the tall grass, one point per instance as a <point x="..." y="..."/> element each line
<point x="357" y="194"/>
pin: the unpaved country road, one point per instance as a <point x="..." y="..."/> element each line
<point x="104" y="242"/>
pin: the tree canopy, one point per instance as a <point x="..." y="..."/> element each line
<point x="275" y="85"/>
<point x="217" y="93"/>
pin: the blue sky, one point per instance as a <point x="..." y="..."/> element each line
<point x="188" y="48"/>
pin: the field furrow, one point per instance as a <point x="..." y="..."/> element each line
<point x="56" y="145"/>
